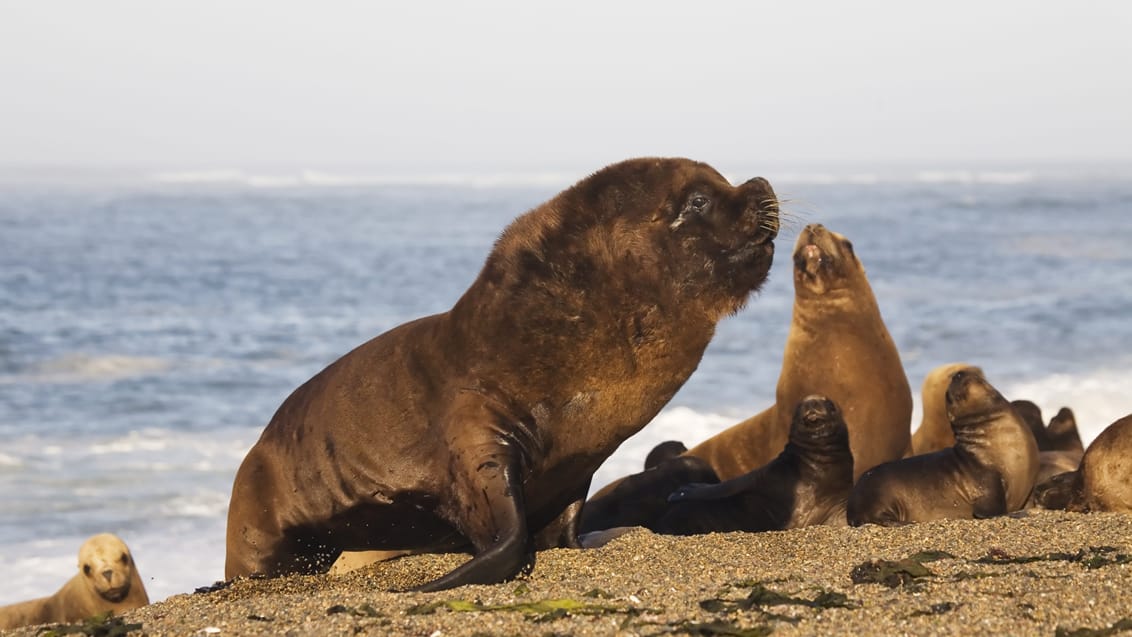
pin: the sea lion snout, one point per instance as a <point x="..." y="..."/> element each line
<point x="108" y="574"/>
<point x="816" y="407"/>
<point x="762" y="209"/>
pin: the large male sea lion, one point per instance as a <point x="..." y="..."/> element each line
<point x="107" y="580"/>
<point x="934" y="432"/>
<point x="1103" y="482"/>
<point x="989" y="471"/>
<point x="807" y="484"/>
<point x="481" y="427"/>
<point x="838" y="346"/>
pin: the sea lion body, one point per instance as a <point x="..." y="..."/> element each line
<point x="107" y="580"/>
<point x="989" y="471"/>
<point x="934" y="432"/>
<point x="1103" y="482"/>
<point x="807" y="484"/>
<point x="480" y="428"/>
<point x="838" y="346"/>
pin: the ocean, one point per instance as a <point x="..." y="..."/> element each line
<point x="150" y="325"/>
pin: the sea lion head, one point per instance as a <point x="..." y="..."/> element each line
<point x="106" y="566"/>
<point x="818" y="423"/>
<point x="970" y="396"/>
<point x="824" y="261"/>
<point x="671" y="228"/>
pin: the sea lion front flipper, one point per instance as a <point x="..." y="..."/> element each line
<point x="701" y="491"/>
<point x="487" y="504"/>
<point x="992" y="502"/>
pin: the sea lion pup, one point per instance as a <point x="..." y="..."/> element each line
<point x="107" y="580"/>
<point x="989" y="471"/>
<point x="838" y="346"/>
<point x="480" y="428"/>
<point x="641" y="498"/>
<point x="1031" y="414"/>
<point x="1103" y="482"/>
<point x="934" y="432"/>
<point x="663" y="451"/>
<point x="808" y="483"/>
<point x="1062" y="433"/>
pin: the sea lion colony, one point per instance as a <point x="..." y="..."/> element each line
<point x="479" y="429"/>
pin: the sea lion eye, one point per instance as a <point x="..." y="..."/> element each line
<point x="86" y="569"/>
<point x="124" y="559"/>
<point x="697" y="204"/>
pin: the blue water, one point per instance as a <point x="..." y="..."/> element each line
<point x="149" y="328"/>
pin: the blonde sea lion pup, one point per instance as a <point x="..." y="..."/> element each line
<point x="934" y="432"/>
<point x="1103" y="482"/>
<point x="107" y="580"/>
<point x="839" y="347"/>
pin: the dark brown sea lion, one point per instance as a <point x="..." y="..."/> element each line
<point x="989" y="471"/>
<point x="807" y="484"/>
<point x="838" y="346"/>
<point x="107" y="580"/>
<point x="1103" y="482"/>
<point x="1062" y="434"/>
<point x="664" y="451"/>
<point x="934" y="432"/>
<point x="480" y="428"/>
<point x="1031" y="414"/>
<point x="641" y="498"/>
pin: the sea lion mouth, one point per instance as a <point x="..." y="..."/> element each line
<point x="115" y="594"/>
<point x="761" y="221"/>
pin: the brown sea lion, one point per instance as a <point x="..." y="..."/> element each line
<point x="838" y="346"/>
<point x="641" y="498"/>
<point x="1103" y="482"/>
<point x="480" y="428"/>
<point x="107" y="580"/>
<point x="1062" y="434"/>
<point x="807" y="484"/>
<point x="1031" y="414"/>
<point x="934" y="432"/>
<point x="989" y="471"/>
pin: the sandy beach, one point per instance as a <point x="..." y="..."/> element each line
<point x="1032" y="573"/>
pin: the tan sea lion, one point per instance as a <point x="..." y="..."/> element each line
<point x="480" y="428"/>
<point x="989" y="471"/>
<point x="838" y="346"/>
<point x="934" y="432"/>
<point x="1103" y="482"/>
<point x="807" y="484"/>
<point x="107" y="580"/>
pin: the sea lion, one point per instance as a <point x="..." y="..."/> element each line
<point x="1031" y="414"/>
<point x="1103" y="482"/>
<point x="838" y="346"/>
<point x="107" y="580"/>
<point x="807" y="484"/>
<point x="480" y="428"/>
<point x="934" y="432"/>
<point x="664" y="451"/>
<point x="989" y="471"/>
<point x="1062" y="434"/>
<point x="641" y="498"/>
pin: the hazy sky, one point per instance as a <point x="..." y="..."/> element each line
<point x="211" y="85"/>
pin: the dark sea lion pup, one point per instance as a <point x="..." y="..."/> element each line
<point x="1103" y="482"/>
<point x="989" y="471"/>
<point x="480" y="428"/>
<point x="807" y="484"/>
<point x="641" y="498"/>
<point x="839" y="347"/>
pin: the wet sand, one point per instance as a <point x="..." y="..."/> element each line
<point x="1033" y="573"/>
